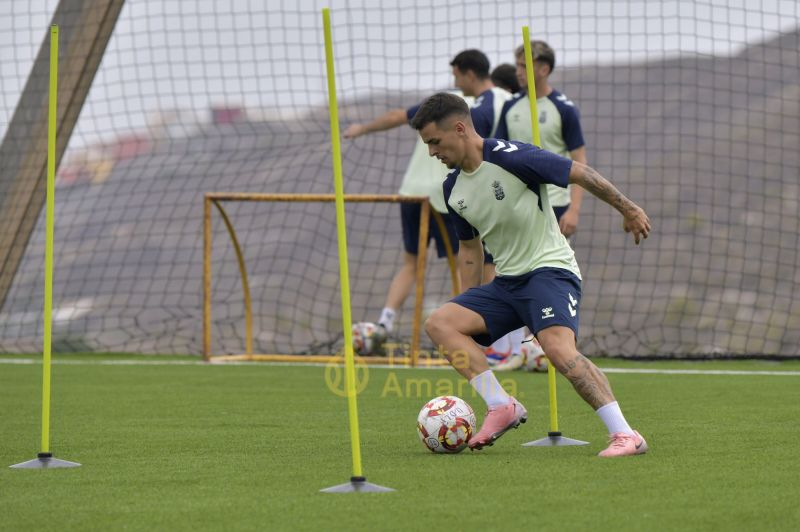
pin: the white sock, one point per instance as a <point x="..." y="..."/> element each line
<point x="387" y="318"/>
<point x="501" y="345"/>
<point x="613" y="418"/>
<point x="515" y="338"/>
<point x="489" y="388"/>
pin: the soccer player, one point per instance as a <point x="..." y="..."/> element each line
<point x="560" y="132"/>
<point x="496" y="192"/>
<point x="424" y="175"/>
<point x="505" y="77"/>
<point x="559" y="127"/>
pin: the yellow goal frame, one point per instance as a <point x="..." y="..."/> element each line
<point x="217" y="198"/>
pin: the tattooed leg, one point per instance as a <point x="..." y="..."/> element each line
<point x="587" y="379"/>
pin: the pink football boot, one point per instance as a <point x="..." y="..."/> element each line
<point x="497" y="422"/>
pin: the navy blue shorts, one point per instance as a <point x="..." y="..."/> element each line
<point x="487" y="257"/>
<point x="539" y="299"/>
<point x="409" y="215"/>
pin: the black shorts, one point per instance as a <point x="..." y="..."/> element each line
<point x="560" y="211"/>
<point x="409" y="215"/>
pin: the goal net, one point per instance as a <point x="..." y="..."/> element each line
<point x="691" y="108"/>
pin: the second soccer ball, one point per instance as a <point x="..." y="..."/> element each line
<point x="368" y="338"/>
<point x="535" y="359"/>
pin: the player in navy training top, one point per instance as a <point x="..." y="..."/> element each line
<point x="505" y="77"/>
<point x="496" y="192"/>
<point x="559" y="127"/>
<point x="559" y="132"/>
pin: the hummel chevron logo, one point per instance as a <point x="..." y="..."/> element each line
<point x="506" y="148"/>
<point x="562" y="98"/>
<point x="573" y="303"/>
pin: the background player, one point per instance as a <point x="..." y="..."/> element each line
<point x="424" y="175"/>
<point x="505" y="77"/>
<point x="559" y="127"/>
<point x="560" y="132"/>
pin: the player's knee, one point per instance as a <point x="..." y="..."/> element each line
<point x="560" y="355"/>
<point x="410" y="261"/>
<point x="438" y="323"/>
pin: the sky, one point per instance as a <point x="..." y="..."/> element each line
<point x="190" y="55"/>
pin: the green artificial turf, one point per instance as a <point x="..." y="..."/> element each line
<point x="248" y="447"/>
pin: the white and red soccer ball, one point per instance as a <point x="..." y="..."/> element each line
<point x="533" y="355"/>
<point x="363" y="337"/>
<point x="445" y="424"/>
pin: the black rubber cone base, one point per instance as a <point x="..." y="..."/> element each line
<point x="45" y="461"/>
<point x="554" y="439"/>
<point x="357" y="484"/>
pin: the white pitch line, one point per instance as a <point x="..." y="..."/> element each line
<point x="700" y="371"/>
<point x="63" y="362"/>
<point x="26" y="361"/>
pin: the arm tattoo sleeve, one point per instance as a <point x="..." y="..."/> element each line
<point x="598" y="185"/>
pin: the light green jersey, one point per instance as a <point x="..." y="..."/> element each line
<point x="504" y="203"/>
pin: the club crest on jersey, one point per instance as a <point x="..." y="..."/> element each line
<point x="543" y="117"/>
<point x="498" y="191"/>
<point x="461" y="206"/>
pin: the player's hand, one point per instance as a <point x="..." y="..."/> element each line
<point x="354" y="130"/>
<point x="568" y="223"/>
<point x="637" y="222"/>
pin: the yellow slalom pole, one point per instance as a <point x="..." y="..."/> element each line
<point x="344" y="275"/>
<point x="50" y="230"/>
<point x="45" y="458"/>
<point x="551" y="384"/>
<point x="526" y="40"/>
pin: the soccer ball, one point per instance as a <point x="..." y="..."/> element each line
<point x="535" y="359"/>
<point x="445" y="424"/>
<point x="367" y="338"/>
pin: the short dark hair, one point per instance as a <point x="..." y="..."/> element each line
<point x="474" y="60"/>
<point x="438" y="108"/>
<point x="505" y="77"/>
<point x="540" y="51"/>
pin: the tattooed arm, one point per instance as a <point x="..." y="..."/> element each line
<point x="470" y="262"/>
<point x="635" y="219"/>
